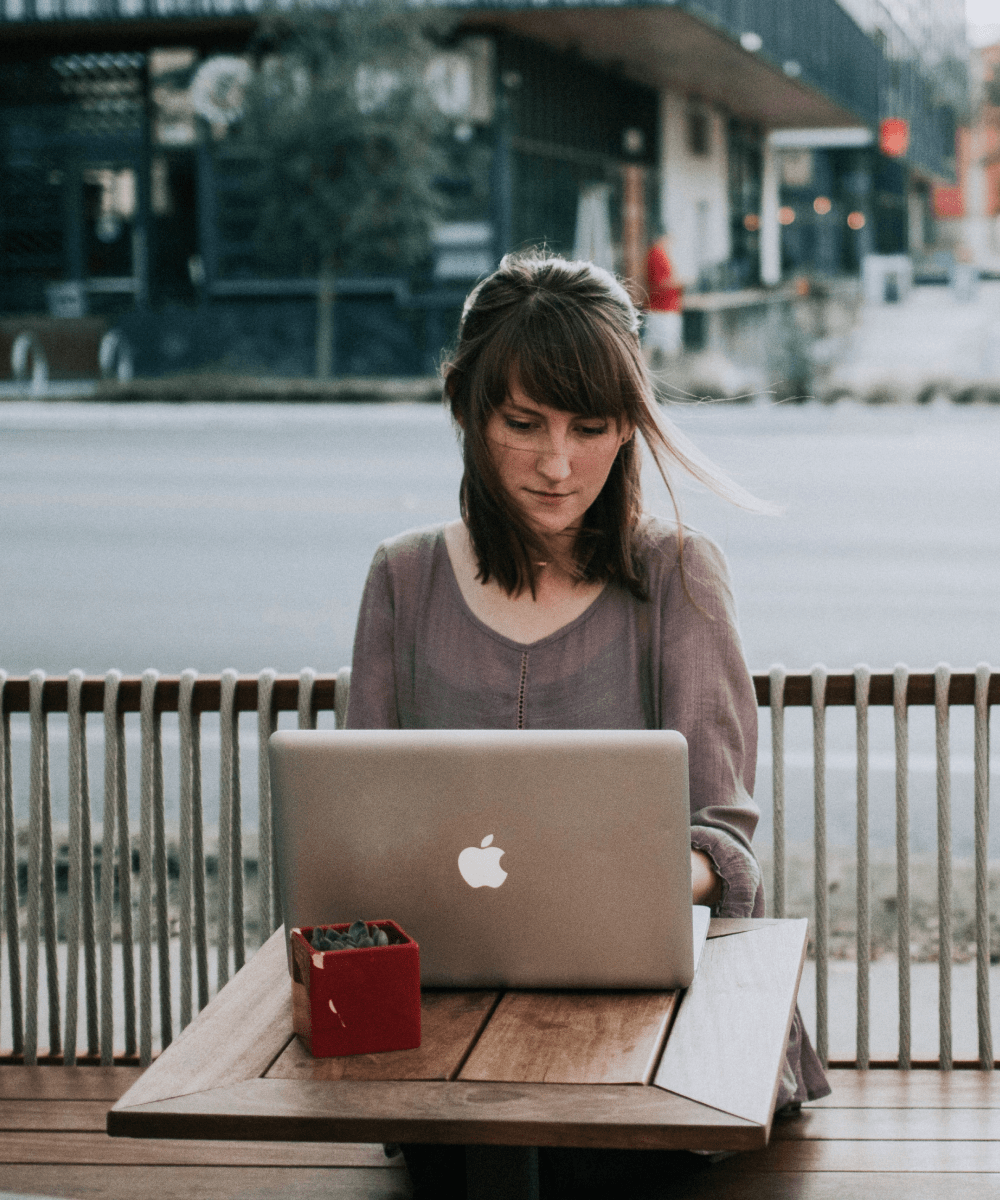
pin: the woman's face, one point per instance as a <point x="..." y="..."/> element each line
<point x="552" y="464"/>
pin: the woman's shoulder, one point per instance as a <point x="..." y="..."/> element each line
<point x="661" y="543"/>
<point x="409" y="550"/>
<point x="686" y="568"/>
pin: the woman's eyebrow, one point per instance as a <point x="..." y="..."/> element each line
<point x="509" y="403"/>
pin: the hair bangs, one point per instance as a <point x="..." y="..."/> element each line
<point x="570" y="359"/>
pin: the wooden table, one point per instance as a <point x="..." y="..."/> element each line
<point x="647" y="1070"/>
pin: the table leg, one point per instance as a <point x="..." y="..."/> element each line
<point x="502" y="1172"/>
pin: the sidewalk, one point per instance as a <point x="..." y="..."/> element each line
<point x="930" y="344"/>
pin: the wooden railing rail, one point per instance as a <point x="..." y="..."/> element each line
<point x="118" y="1008"/>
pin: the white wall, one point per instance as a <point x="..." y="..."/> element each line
<point x="694" y="190"/>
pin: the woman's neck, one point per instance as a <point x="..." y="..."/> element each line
<point x="560" y="596"/>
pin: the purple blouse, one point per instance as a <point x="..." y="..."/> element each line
<point x="422" y="659"/>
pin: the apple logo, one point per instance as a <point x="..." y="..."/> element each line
<point x="480" y="866"/>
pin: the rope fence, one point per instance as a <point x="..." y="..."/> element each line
<point x="113" y="990"/>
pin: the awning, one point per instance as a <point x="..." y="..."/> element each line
<point x="668" y="48"/>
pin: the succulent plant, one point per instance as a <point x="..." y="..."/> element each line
<point x="358" y="937"/>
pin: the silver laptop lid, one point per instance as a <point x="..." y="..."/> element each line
<point x="517" y="858"/>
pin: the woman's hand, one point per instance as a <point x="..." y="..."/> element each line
<point x="706" y="886"/>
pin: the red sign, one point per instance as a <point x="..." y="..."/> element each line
<point x="949" y="202"/>
<point x="894" y="137"/>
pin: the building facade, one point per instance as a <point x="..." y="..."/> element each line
<point x="752" y="130"/>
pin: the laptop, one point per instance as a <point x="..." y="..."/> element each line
<point x="514" y="858"/>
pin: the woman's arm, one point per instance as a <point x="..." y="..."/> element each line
<point x="707" y="694"/>
<point x="706" y="886"/>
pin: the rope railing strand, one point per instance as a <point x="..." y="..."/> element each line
<point x="862" y="682"/>
<point x="267" y="722"/>
<point x="776" y="679"/>
<point x="942" y="680"/>
<point x="112" y="718"/>
<point x="982" y="834"/>
<point x="146" y="839"/>
<point x="307" y="705"/>
<point x="821" y="896"/>
<point x="79" y="924"/>
<point x="228" y="734"/>
<point x="41" y="898"/>
<point x="8" y="880"/>
<point x="901" y="738"/>
<point x="185" y="865"/>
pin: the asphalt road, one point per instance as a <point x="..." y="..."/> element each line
<point x="240" y="536"/>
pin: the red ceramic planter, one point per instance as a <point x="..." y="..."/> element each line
<point x="356" y="1001"/>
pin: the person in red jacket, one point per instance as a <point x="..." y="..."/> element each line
<point x="662" y="332"/>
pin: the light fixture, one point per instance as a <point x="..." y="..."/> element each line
<point x="822" y="205"/>
<point x="856" y="220"/>
<point x="751" y="222"/>
<point x="751" y="42"/>
<point x="786" y="215"/>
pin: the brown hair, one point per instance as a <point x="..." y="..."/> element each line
<point x="568" y="334"/>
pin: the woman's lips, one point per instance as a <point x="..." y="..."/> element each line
<point x="549" y="497"/>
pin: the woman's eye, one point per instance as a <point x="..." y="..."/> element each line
<point x="593" y="430"/>
<point x="520" y="426"/>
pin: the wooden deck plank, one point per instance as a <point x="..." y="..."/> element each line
<point x="730" y="1181"/>
<point x="237" y="1037"/>
<point x="205" y="1183"/>
<point x="464" y="1113"/>
<point x="887" y="1124"/>
<point x="731" y="1031"/>
<point x="66" y="1083"/>
<point x="85" y="1116"/>
<point x="912" y="1089"/>
<point x="897" y="1156"/>
<point x="573" y="1037"/>
<point x="449" y="1023"/>
<point x="35" y="1147"/>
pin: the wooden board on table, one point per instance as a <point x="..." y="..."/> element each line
<point x="459" y="1112"/>
<point x="572" y="1037"/>
<point x="450" y="1022"/>
<point x="237" y="1037"/>
<point x="728" y="1041"/>
<point x="724" y="926"/>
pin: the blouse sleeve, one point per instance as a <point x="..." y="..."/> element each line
<point x="372" y="700"/>
<point x="707" y="694"/>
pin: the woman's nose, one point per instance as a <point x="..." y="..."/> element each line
<point x="553" y="460"/>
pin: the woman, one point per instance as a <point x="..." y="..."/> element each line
<point x="556" y="602"/>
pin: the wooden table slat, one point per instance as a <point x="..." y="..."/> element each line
<point x="458" y="1112"/>
<point x="573" y="1037"/>
<point x="449" y="1024"/>
<point x="236" y="1037"/>
<point x="729" y="1037"/>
